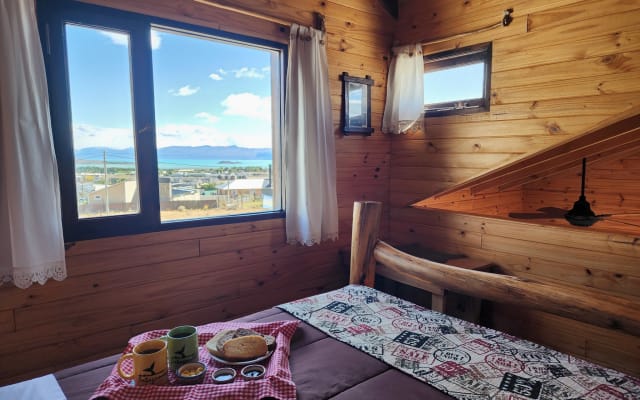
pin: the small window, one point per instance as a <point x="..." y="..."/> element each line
<point x="457" y="81"/>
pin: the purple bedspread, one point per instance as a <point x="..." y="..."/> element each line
<point x="321" y="367"/>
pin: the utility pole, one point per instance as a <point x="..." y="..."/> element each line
<point x="106" y="182"/>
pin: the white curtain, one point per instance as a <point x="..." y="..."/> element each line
<point x="310" y="166"/>
<point x="404" y="107"/>
<point x="31" y="241"/>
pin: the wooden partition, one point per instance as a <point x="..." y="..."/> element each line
<point x="121" y="286"/>
<point x="560" y="68"/>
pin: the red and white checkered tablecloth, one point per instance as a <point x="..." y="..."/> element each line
<point x="276" y="383"/>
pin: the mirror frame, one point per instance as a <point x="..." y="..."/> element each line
<point x="365" y="89"/>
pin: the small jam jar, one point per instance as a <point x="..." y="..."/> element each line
<point x="224" y="375"/>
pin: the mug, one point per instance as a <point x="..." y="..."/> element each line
<point x="149" y="363"/>
<point x="182" y="346"/>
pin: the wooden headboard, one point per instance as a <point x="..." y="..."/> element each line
<point x="579" y="304"/>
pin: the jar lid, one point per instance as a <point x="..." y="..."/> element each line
<point x="253" y="371"/>
<point x="224" y="375"/>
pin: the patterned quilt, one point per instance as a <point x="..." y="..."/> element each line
<point x="464" y="360"/>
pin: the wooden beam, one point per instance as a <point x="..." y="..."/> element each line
<point x="364" y="235"/>
<point x="579" y="304"/>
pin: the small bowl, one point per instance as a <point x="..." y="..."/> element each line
<point x="191" y="373"/>
<point x="224" y="375"/>
<point x="253" y="371"/>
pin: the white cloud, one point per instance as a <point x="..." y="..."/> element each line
<point x="156" y="40"/>
<point x="246" y="72"/>
<point x="185" y="91"/>
<point x="198" y="135"/>
<point x="215" y="77"/>
<point x="122" y="39"/>
<point x="85" y="135"/>
<point x="207" y="117"/>
<point x="222" y="71"/>
<point x="188" y="135"/>
<point x="248" y="105"/>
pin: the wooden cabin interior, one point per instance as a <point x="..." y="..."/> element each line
<point x="565" y="84"/>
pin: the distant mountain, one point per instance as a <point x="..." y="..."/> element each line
<point x="179" y="153"/>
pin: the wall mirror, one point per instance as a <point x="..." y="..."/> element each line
<point x="356" y="102"/>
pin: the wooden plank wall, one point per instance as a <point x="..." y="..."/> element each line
<point x="561" y="67"/>
<point x="118" y="287"/>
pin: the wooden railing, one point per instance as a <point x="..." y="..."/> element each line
<point x="576" y="303"/>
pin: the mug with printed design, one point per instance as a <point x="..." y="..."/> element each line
<point x="182" y="346"/>
<point x="149" y="363"/>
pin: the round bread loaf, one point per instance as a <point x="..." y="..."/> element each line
<point x="215" y="345"/>
<point x="244" y="348"/>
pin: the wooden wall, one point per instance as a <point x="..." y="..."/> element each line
<point x="561" y="67"/>
<point x="118" y="287"/>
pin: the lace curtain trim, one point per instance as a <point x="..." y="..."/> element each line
<point x="407" y="126"/>
<point x="23" y="278"/>
<point x="299" y="239"/>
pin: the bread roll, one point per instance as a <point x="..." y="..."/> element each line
<point x="244" y="348"/>
<point x="214" y="345"/>
<point x="234" y="334"/>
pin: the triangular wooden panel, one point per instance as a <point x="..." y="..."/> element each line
<point x="505" y="191"/>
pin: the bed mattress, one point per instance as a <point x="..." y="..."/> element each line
<point x="321" y="367"/>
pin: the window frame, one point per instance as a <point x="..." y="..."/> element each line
<point x="460" y="57"/>
<point x="52" y="18"/>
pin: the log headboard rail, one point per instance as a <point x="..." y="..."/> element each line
<point x="581" y="304"/>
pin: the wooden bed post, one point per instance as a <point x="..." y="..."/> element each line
<point x="364" y="237"/>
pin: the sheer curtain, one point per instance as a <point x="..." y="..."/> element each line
<point x="310" y="166"/>
<point x="404" y="107"/>
<point x="31" y="241"/>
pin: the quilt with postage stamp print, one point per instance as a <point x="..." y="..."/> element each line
<point x="462" y="359"/>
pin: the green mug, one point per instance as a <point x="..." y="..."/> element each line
<point x="182" y="346"/>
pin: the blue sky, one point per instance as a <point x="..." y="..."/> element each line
<point x="463" y="82"/>
<point x="206" y="92"/>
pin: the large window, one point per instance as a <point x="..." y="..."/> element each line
<point x="159" y="124"/>
<point x="457" y="81"/>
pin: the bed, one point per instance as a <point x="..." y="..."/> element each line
<point x="360" y="343"/>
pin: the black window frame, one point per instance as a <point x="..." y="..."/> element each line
<point x="52" y="17"/>
<point x="455" y="58"/>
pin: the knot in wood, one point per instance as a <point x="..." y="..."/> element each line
<point x="553" y="128"/>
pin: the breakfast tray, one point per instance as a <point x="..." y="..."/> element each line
<point x="276" y="383"/>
